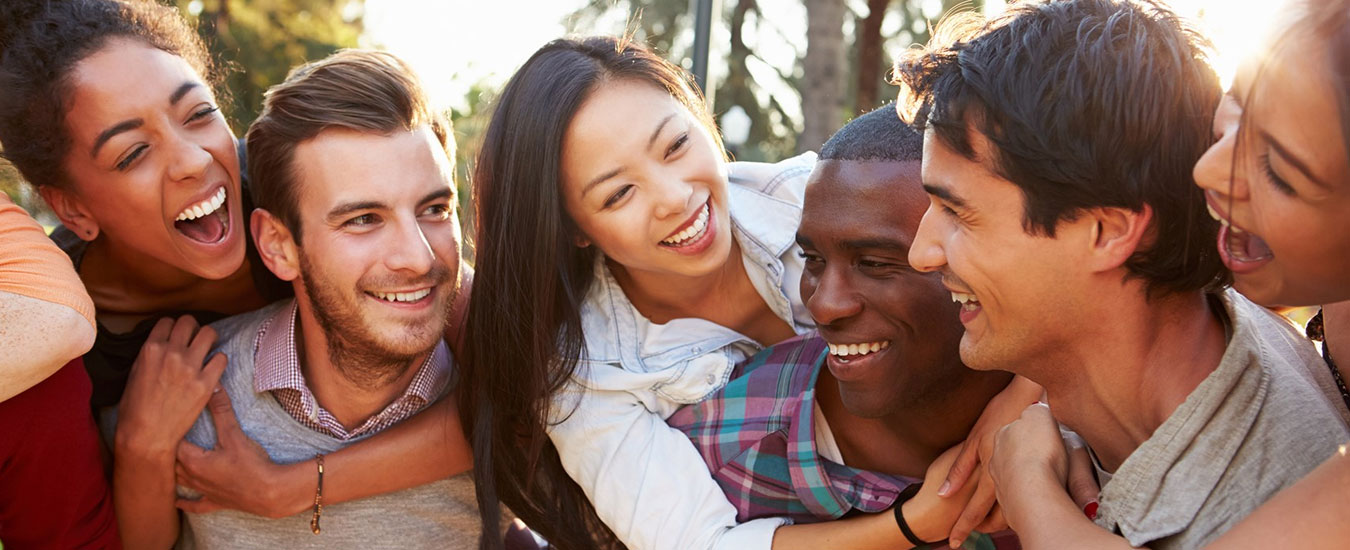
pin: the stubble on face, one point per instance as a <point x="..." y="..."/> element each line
<point x="362" y="353"/>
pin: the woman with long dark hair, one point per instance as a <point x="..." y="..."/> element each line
<point x="1278" y="179"/>
<point x="624" y="268"/>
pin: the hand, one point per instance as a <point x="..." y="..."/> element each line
<point x="1082" y="480"/>
<point x="931" y="516"/>
<point x="167" y="387"/>
<point x="1029" y="457"/>
<point x="237" y="474"/>
<point x="975" y="452"/>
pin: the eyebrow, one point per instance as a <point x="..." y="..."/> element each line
<point x="875" y="243"/>
<point x="944" y="194"/>
<point x="128" y="125"/>
<point x="439" y="194"/>
<point x="182" y="90"/>
<point x="124" y="126"/>
<point x="650" y="141"/>
<point x="342" y="210"/>
<point x="1293" y="160"/>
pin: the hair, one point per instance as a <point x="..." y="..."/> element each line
<point x="524" y="335"/>
<point x="878" y="135"/>
<point x="1086" y="104"/>
<point x="361" y="90"/>
<point x="1325" y="23"/>
<point x="42" y="41"/>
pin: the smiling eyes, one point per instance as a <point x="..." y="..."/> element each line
<point x="436" y="213"/>
<point x="618" y="195"/>
<point x="868" y="265"/>
<point x="138" y="150"/>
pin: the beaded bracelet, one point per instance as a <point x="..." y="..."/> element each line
<point x="318" y="498"/>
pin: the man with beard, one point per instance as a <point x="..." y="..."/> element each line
<point x="351" y="174"/>
<point x="852" y="419"/>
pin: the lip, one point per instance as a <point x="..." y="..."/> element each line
<point x="1226" y="226"/>
<point x="228" y="238"/>
<point x="853" y="370"/>
<point x="702" y="243"/>
<point x="966" y="315"/>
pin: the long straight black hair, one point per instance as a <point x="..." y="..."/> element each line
<point x="524" y="336"/>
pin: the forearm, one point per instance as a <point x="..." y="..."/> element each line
<point x="1309" y="514"/>
<point x="428" y="447"/>
<point x="37" y="337"/>
<point x="143" y="495"/>
<point x="867" y="532"/>
<point x="1045" y="518"/>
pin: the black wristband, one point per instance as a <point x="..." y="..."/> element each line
<point x="904" y="497"/>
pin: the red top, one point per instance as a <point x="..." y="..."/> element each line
<point x="53" y="493"/>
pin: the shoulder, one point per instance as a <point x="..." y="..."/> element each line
<point x="785" y="179"/>
<point x="233" y="330"/>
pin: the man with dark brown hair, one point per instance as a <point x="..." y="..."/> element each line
<point x="351" y="173"/>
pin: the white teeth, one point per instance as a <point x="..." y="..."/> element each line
<point x="964" y="298"/>
<point x="402" y="296"/>
<point x="1213" y="213"/>
<point x="694" y="230"/>
<point x="845" y="350"/>
<point x="203" y="208"/>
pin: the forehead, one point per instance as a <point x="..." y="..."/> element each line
<point x="972" y="180"/>
<point x="617" y="119"/>
<point x="1294" y="101"/>
<point x="852" y="199"/>
<point x="124" y="79"/>
<point x="340" y="166"/>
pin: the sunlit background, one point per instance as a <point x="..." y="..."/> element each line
<point x="456" y="44"/>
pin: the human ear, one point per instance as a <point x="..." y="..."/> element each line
<point x="276" y="245"/>
<point x="71" y="211"/>
<point x="1116" y="234"/>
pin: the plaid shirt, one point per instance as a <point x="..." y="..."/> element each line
<point x="277" y="370"/>
<point x="758" y="436"/>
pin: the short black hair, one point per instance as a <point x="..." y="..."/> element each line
<point x="1086" y="104"/>
<point x="878" y="135"/>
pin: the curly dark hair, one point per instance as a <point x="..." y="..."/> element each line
<point x="1087" y="103"/>
<point x="41" y="42"/>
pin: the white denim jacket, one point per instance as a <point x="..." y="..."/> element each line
<point x="646" y="479"/>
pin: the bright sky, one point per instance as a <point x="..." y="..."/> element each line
<point x="457" y="43"/>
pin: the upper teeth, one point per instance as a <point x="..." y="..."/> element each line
<point x="403" y="296"/>
<point x="845" y="350"/>
<point x="1215" y="214"/>
<point x="963" y="297"/>
<point x="693" y="230"/>
<point x="203" y="208"/>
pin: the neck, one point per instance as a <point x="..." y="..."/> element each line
<point x="1119" y="380"/>
<point x="351" y="385"/>
<point x="905" y="441"/>
<point x="124" y="282"/>
<point x="662" y="297"/>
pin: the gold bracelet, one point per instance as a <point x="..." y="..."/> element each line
<point x="318" y="498"/>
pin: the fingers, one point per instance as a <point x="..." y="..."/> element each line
<point x="1082" y="483"/>
<point x="202" y="342"/>
<point x="160" y="332"/>
<point x="976" y="511"/>
<point x="222" y="412"/>
<point x="966" y="459"/>
<point x="213" y="369"/>
<point x="181" y="333"/>
<point x="199" y="506"/>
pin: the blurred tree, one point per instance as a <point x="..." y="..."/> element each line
<point x="823" y="73"/>
<point x="775" y="93"/>
<point x="261" y="40"/>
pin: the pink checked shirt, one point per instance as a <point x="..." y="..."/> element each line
<point x="277" y="369"/>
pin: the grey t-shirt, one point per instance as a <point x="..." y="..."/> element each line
<point x="1254" y="426"/>
<point x="443" y="514"/>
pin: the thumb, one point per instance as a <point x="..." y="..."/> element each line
<point x="222" y="413"/>
<point x="1082" y="481"/>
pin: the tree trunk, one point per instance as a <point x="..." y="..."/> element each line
<point x="870" y="59"/>
<point x="823" y="73"/>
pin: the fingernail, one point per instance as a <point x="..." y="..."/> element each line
<point x="946" y="486"/>
<point x="956" y="543"/>
<point x="215" y="389"/>
<point x="1090" y="509"/>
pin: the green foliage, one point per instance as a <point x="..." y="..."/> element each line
<point x="259" y="41"/>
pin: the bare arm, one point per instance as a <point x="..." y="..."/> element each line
<point x="36" y="338"/>
<point x="239" y="475"/>
<point x="166" y="391"/>
<point x="46" y="317"/>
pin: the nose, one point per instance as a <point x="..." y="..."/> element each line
<point x="408" y="249"/>
<point x="672" y="197"/>
<point x="187" y="159"/>
<point x="833" y="299"/>
<point x="926" y="253"/>
<point x="1216" y="170"/>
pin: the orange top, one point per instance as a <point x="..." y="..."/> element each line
<point x="31" y="264"/>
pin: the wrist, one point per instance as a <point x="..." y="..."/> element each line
<point x="292" y="489"/>
<point x="918" y="518"/>
<point x="128" y="445"/>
